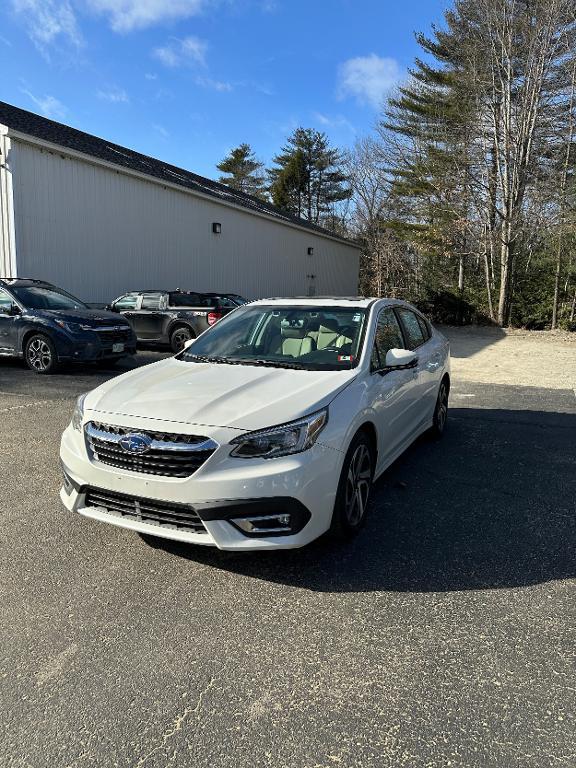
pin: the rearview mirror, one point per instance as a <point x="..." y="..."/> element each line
<point x="400" y="358"/>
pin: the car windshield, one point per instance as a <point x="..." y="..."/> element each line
<point x="40" y="297"/>
<point x="308" y="338"/>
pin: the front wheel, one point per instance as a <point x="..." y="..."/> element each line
<point x="354" y="488"/>
<point x="40" y="354"/>
<point x="179" y="337"/>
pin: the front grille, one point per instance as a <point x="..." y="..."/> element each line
<point x="162" y="513"/>
<point x="168" y="455"/>
<point x="109" y="336"/>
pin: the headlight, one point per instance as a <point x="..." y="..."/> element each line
<point x="73" y="327"/>
<point x="281" y="441"/>
<point x="78" y="414"/>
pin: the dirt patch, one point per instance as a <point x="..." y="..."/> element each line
<point x="526" y="358"/>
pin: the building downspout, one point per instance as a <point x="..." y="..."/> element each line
<point x="8" y="267"/>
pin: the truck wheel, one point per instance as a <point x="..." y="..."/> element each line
<point x="179" y="337"/>
<point x="40" y="354"/>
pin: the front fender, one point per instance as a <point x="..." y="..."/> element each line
<point x="341" y="428"/>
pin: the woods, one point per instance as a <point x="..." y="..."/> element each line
<point x="464" y="196"/>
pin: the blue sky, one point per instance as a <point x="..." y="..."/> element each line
<point x="187" y="80"/>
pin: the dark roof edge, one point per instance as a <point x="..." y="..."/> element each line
<point x="42" y="129"/>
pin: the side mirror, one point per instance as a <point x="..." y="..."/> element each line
<point x="401" y="358"/>
<point x="109" y="308"/>
<point x="187" y="343"/>
<point x="10" y="311"/>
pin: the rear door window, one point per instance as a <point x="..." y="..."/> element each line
<point x="425" y="327"/>
<point x="412" y="329"/>
<point x="152" y="301"/>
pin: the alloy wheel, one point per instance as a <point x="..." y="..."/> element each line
<point x="39" y="355"/>
<point x="358" y="485"/>
<point x="442" y="408"/>
<point x="179" y="338"/>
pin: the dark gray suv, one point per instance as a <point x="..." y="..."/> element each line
<point x="173" y="317"/>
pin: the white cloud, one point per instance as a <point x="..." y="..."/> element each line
<point x="178" y="52"/>
<point x="49" y="106"/>
<point x="48" y="21"/>
<point x="336" y="121"/>
<point x="114" y="94"/>
<point x="126" y="15"/>
<point x="368" y="78"/>
<point x="215" y="85"/>
<point x="151" y="76"/>
<point x="161" y="130"/>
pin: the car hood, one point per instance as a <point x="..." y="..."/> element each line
<point x="243" y="397"/>
<point x="95" y="318"/>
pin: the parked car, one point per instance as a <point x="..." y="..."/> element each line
<point x="266" y="431"/>
<point x="48" y="326"/>
<point x="173" y="317"/>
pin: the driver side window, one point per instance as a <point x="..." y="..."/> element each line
<point x="388" y="336"/>
<point x="126" y="303"/>
<point x="6" y="302"/>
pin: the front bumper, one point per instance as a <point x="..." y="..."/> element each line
<point x="89" y="347"/>
<point x="223" y="489"/>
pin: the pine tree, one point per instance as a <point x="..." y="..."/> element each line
<point x="473" y="136"/>
<point x="242" y="169"/>
<point x="308" y="180"/>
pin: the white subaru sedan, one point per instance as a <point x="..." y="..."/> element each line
<point x="266" y="431"/>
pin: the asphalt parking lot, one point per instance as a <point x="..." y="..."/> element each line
<point x="444" y="635"/>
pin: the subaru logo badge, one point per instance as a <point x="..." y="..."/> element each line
<point x="136" y="443"/>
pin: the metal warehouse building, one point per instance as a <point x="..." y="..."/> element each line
<point x="99" y="219"/>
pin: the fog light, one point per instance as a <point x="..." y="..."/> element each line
<point x="264" y="523"/>
<point x="67" y="482"/>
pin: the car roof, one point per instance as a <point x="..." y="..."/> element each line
<point x="8" y="281"/>
<point x="361" y="302"/>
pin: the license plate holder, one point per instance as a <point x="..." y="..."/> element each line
<point x="117" y="348"/>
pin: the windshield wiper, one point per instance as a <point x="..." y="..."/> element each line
<point x="271" y="363"/>
<point x="206" y="359"/>
<point x="244" y="361"/>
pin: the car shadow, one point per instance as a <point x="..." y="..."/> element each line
<point x="489" y="506"/>
<point x="467" y="341"/>
<point x="17" y="379"/>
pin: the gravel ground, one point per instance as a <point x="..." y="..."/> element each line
<point x="442" y="636"/>
<point x="525" y="358"/>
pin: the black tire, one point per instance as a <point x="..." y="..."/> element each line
<point x="352" y="496"/>
<point x="180" y="336"/>
<point x="440" y="417"/>
<point x="40" y="354"/>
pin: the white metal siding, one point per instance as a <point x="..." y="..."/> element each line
<point x="7" y="233"/>
<point x="100" y="232"/>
